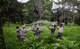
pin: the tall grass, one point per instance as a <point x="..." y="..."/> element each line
<point x="70" y="39"/>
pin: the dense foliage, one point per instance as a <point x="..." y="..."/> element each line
<point x="69" y="41"/>
<point x="14" y="11"/>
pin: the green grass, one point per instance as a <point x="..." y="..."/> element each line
<point x="70" y="39"/>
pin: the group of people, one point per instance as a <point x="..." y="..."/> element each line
<point x="60" y="30"/>
<point x="21" y="31"/>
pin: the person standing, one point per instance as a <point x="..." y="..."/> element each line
<point x="18" y="31"/>
<point x="37" y="33"/>
<point x="23" y="32"/>
<point x="52" y="29"/>
<point x="60" y="31"/>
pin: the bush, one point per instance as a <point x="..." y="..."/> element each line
<point x="77" y="21"/>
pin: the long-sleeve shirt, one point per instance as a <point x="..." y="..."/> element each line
<point x="37" y="32"/>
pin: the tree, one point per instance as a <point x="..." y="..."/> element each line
<point x="12" y="10"/>
<point x="2" y="42"/>
<point x="67" y="8"/>
<point x="39" y="6"/>
<point x="8" y="8"/>
<point x="48" y="12"/>
<point x="72" y="4"/>
<point x="77" y="20"/>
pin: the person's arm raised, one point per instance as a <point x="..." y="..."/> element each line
<point x="29" y="29"/>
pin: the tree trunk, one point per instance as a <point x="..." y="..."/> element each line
<point x="8" y="20"/>
<point x="73" y="20"/>
<point x="2" y="43"/>
<point x="39" y="5"/>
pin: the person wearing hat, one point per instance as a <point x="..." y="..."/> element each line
<point x="52" y="29"/>
<point x="23" y="33"/>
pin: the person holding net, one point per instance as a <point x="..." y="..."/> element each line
<point x="52" y="28"/>
<point x="23" y="32"/>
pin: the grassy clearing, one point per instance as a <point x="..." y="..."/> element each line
<point x="70" y="40"/>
